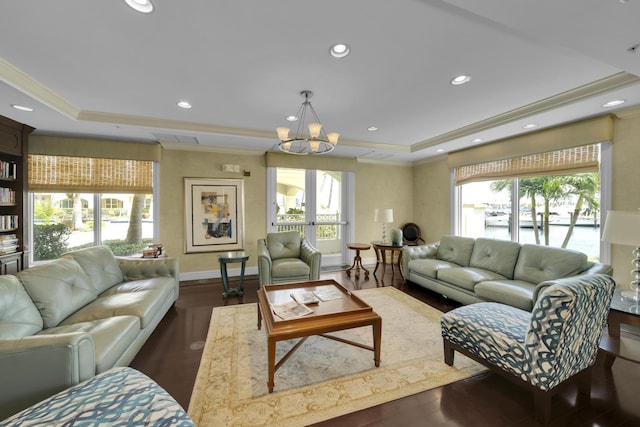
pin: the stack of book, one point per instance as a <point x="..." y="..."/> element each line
<point x="7" y="196"/>
<point x="8" y="170"/>
<point x="8" y="244"/>
<point x="8" y="222"/>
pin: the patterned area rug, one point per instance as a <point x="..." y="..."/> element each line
<point x="323" y="378"/>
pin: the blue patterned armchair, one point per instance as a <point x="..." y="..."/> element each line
<point x="554" y="345"/>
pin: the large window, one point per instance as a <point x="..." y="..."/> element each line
<point x="79" y="202"/>
<point x="561" y="210"/>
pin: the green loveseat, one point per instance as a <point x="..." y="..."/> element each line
<point x="65" y="321"/>
<point x="479" y="270"/>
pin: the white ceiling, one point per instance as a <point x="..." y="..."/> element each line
<point x="100" y="69"/>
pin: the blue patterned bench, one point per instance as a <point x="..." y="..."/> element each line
<point x="120" y="396"/>
<point x="555" y="344"/>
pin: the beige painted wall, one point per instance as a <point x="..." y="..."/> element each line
<point x="177" y="165"/>
<point x="431" y="200"/>
<point x="376" y="185"/>
<point x="381" y="186"/>
<point x="626" y="185"/>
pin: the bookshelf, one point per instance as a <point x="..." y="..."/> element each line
<point x="14" y="141"/>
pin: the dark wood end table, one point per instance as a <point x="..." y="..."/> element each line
<point x="381" y="249"/>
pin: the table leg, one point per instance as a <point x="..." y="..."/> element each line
<point x="384" y="261"/>
<point x="377" y="251"/>
<point x="400" y="265"/>
<point x="355" y="261"/>
<point x="377" y="341"/>
<point x="613" y="327"/>
<point x="271" y="362"/>
<point x="259" y="318"/>
<point x="240" y="288"/>
<point x="225" y="278"/>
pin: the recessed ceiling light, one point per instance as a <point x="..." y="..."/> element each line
<point x="439" y="150"/>
<point x="477" y="140"/>
<point x="144" y="6"/>
<point x="339" y="50"/>
<point x="22" y="108"/>
<point x="613" y="103"/>
<point x="184" y="104"/>
<point x="292" y="119"/>
<point x="530" y="126"/>
<point x="460" y="80"/>
<point x="372" y="128"/>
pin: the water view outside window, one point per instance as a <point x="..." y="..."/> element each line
<point x="69" y="221"/>
<point x="560" y="211"/>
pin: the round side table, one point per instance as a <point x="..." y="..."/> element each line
<point x="226" y="258"/>
<point x="357" y="261"/>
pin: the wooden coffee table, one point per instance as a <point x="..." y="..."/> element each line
<point x="328" y="316"/>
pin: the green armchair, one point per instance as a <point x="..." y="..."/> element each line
<point x="286" y="257"/>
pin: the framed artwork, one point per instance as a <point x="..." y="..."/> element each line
<point x="214" y="214"/>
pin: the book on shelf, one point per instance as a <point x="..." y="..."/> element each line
<point x="290" y="310"/>
<point x="5" y="250"/>
<point x="304" y="297"/>
<point x="327" y="293"/>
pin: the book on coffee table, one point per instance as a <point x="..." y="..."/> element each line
<point x="304" y="297"/>
<point x="290" y="310"/>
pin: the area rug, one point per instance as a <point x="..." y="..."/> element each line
<point x="324" y="378"/>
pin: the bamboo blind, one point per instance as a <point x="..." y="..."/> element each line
<point x="89" y="175"/>
<point x="561" y="162"/>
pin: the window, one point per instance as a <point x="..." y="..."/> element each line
<point x="561" y="210"/>
<point x="74" y="204"/>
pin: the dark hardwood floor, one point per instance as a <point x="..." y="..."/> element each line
<point x="172" y="354"/>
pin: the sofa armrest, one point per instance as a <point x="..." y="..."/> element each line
<point x="264" y="262"/>
<point x="148" y="268"/>
<point x="35" y="367"/>
<point x="599" y="268"/>
<point x="312" y="257"/>
<point x="418" y="252"/>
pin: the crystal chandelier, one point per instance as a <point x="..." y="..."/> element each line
<point x="316" y="142"/>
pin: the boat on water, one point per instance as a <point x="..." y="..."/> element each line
<point x="500" y="219"/>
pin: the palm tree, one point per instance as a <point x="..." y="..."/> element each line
<point x="586" y="187"/>
<point x="134" y="232"/>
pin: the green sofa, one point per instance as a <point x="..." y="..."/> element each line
<point x="67" y="320"/>
<point x="479" y="270"/>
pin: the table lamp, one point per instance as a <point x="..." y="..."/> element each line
<point x="383" y="215"/>
<point x="623" y="228"/>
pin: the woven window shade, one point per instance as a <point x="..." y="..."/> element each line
<point x="89" y="175"/>
<point x="560" y="162"/>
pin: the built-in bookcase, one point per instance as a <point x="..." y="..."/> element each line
<point x="14" y="140"/>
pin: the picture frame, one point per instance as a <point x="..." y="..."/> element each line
<point x="214" y="215"/>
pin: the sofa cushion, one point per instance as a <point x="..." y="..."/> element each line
<point x="58" y="289"/>
<point x="539" y="263"/>
<point x="516" y="293"/>
<point x="495" y="255"/>
<point x="283" y="245"/>
<point x="111" y="337"/>
<point x="144" y="304"/>
<point x="429" y="267"/>
<point x="99" y="264"/>
<point x="289" y="267"/>
<point x="163" y="284"/>
<point x="455" y="249"/>
<point x="19" y="317"/>
<point x="467" y="277"/>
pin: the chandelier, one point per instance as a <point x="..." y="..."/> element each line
<point x="316" y="142"/>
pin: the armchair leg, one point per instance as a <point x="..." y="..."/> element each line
<point x="449" y="352"/>
<point x="542" y="406"/>
<point x="584" y="383"/>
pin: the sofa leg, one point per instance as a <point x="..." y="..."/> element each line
<point x="448" y="352"/>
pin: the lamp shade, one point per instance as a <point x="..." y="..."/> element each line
<point x="383" y="215"/>
<point x="622" y="228"/>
